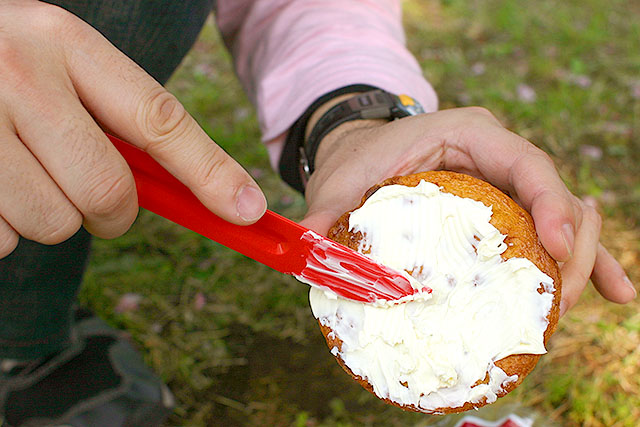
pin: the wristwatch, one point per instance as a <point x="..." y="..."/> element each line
<point x="369" y="102"/>
<point x="375" y="104"/>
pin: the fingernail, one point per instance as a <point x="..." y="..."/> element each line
<point x="627" y="281"/>
<point x="250" y="203"/>
<point x="568" y="237"/>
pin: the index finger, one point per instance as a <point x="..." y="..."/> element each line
<point x="129" y="102"/>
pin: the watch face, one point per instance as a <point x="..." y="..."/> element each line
<point x="374" y="104"/>
<point x="410" y="105"/>
<point x="415" y="109"/>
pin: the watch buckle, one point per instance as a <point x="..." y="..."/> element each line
<point x="304" y="168"/>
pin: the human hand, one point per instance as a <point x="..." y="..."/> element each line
<point x="61" y="84"/>
<point x="359" y="154"/>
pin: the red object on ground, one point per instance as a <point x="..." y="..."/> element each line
<point x="509" y="421"/>
<point x="274" y="240"/>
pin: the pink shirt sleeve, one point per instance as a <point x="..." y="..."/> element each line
<point x="287" y="53"/>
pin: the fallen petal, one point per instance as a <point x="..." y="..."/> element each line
<point x="582" y="80"/>
<point x="128" y="303"/>
<point x="526" y="93"/>
<point x="635" y="90"/>
<point x="478" y="68"/>
<point x="199" y="301"/>
<point x="257" y="173"/>
<point x="286" y="200"/>
<point x="591" y="151"/>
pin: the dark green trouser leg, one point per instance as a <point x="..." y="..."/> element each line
<point x="100" y="381"/>
<point x="38" y="285"/>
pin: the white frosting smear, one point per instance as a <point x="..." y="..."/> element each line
<point x="430" y="353"/>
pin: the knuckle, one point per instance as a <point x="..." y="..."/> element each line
<point x="530" y="158"/>
<point x="13" y="67"/>
<point x="9" y="51"/>
<point x="541" y="154"/>
<point x="474" y="122"/>
<point x="208" y="170"/>
<point x="52" y="20"/>
<point x="54" y="27"/>
<point x="84" y="151"/>
<point x="481" y="113"/>
<point x="109" y="195"/>
<point x="22" y="43"/>
<point x="161" y="116"/>
<point x="56" y="225"/>
<point x="8" y="241"/>
<point x="591" y="214"/>
<point x="536" y="157"/>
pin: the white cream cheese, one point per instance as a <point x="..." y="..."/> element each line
<point x="429" y="353"/>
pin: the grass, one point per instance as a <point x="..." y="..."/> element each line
<point x="236" y="341"/>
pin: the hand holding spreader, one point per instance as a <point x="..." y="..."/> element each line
<point x="274" y="240"/>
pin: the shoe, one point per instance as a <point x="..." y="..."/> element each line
<point x="99" y="381"/>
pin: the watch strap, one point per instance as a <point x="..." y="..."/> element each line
<point x="289" y="164"/>
<point x="375" y="104"/>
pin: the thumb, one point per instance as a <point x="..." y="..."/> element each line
<point x="130" y="103"/>
<point x="320" y="220"/>
<point x="328" y="199"/>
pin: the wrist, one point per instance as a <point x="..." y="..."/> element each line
<point x="330" y="113"/>
<point x="290" y="163"/>
<point x="334" y="136"/>
<point x="322" y="109"/>
<point x="347" y="130"/>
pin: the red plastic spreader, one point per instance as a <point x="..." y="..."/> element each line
<point x="274" y="240"/>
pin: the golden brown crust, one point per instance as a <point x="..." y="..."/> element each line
<point x="522" y="241"/>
